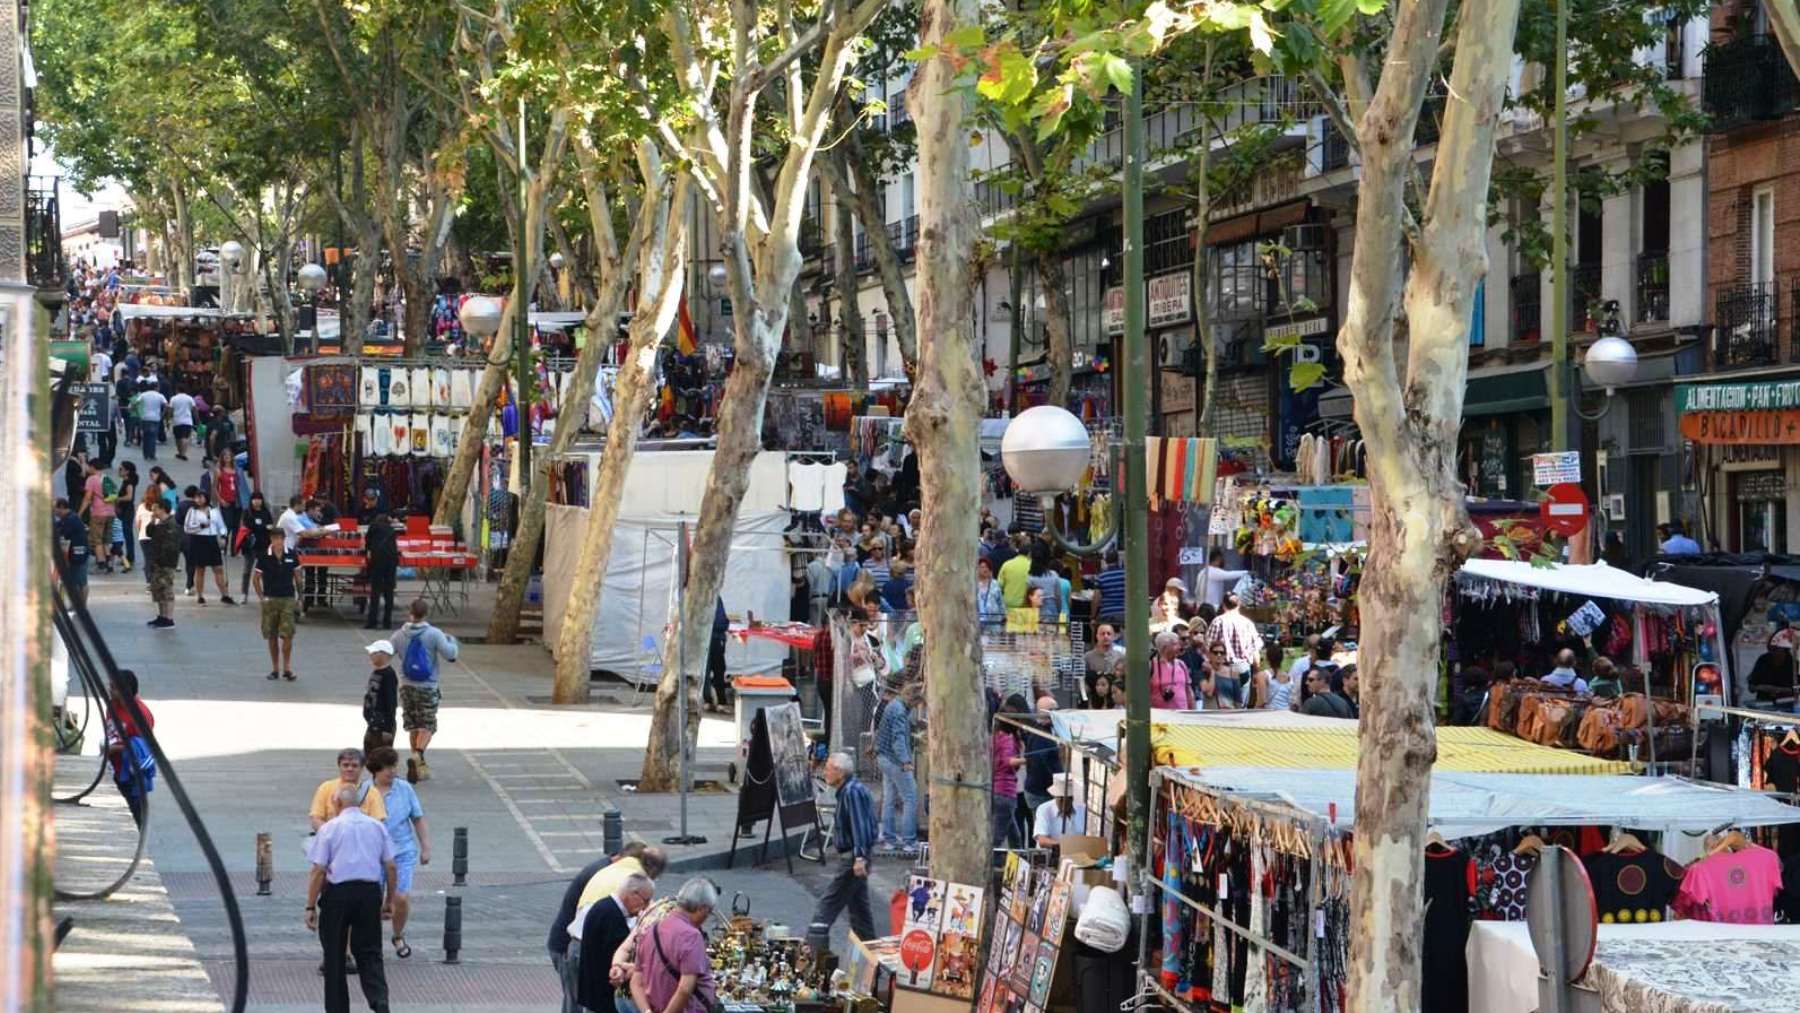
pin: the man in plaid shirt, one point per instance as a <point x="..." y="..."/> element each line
<point x="1236" y="632"/>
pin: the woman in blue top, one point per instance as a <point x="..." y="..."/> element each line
<point x="406" y="828"/>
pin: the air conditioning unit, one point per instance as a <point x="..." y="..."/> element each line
<point x="1615" y="505"/>
<point x="1171" y="348"/>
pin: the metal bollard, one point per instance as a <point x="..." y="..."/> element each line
<point x="459" y="856"/>
<point x="265" y="864"/>
<point x="612" y="833"/>
<point x="452" y="929"/>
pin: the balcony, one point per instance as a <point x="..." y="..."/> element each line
<point x="1745" y="319"/>
<point x="865" y="253"/>
<point x="903" y="236"/>
<point x="1584" y="298"/>
<point x="1335" y="153"/>
<point x="993" y="199"/>
<point x="1746" y="80"/>
<point x="1653" y="286"/>
<point x="812" y="238"/>
<point x="1527" y="307"/>
<point x="44" y="267"/>
<point x="898" y="115"/>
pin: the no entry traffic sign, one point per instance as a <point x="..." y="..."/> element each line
<point x="1565" y="509"/>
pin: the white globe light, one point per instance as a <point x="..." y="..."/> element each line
<point x="1611" y="362"/>
<point x="480" y="315"/>
<point x="231" y="253"/>
<point x="716" y="274"/>
<point x="556" y="261"/>
<point x="311" y="278"/>
<point x="1045" y="449"/>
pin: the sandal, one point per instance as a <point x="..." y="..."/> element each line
<point x="289" y="676"/>
<point x="401" y="948"/>
<point x="274" y="676"/>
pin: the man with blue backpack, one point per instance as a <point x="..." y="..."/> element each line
<point x="134" y="768"/>
<point x="421" y="648"/>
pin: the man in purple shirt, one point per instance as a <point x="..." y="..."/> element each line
<point x="350" y="855"/>
<point x="673" y="974"/>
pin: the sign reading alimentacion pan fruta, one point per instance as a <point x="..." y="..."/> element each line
<point x="1749" y="412"/>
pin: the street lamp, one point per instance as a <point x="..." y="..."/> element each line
<point x="1045" y="451"/>
<point x="1611" y="362"/>
<point x="311" y="279"/>
<point x="480" y="316"/>
<point x="556" y="261"/>
<point x="231" y="260"/>
<point x="715" y="275"/>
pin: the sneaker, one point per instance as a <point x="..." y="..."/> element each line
<point x="201" y="600"/>
<point x="424" y="770"/>
<point x="187" y="593"/>
<point x="412" y="770"/>
<point x="228" y="600"/>
<point x="154" y="622"/>
<point x="274" y="676"/>
<point x="162" y="622"/>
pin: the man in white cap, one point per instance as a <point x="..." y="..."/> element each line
<point x="382" y="699"/>
<point x="1060" y="816"/>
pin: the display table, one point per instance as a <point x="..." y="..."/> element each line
<point x="440" y="564"/>
<point x="1668" y="967"/>
<point x="798" y="635"/>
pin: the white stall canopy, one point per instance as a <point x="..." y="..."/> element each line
<point x="1596" y="580"/>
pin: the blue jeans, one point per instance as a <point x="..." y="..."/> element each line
<point x="898" y="790"/>
<point x="151" y="429"/>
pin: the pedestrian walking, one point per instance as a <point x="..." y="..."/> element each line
<point x="407" y="830"/>
<point x="595" y="933"/>
<point x="148" y="405"/>
<point x="715" y="691"/>
<point x="251" y="539"/>
<point x="422" y="650"/>
<point x="125" y="499"/>
<point x="162" y="555"/>
<point x="894" y="755"/>
<point x="134" y="768"/>
<point x="98" y="511"/>
<point x="382" y="544"/>
<point x="71" y="546"/>
<point x="344" y="901"/>
<point x="382" y="698"/>
<point x="673" y="973"/>
<point x="853" y="835"/>
<point x="325" y="802"/>
<point x="274" y="583"/>
<point x="205" y="526"/>
<point x="181" y="412"/>
<point x="141" y="517"/>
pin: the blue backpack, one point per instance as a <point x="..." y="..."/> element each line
<point x="416" y="666"/>
<point x="144" y="760"/>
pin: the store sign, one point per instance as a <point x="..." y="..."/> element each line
<point x="93" y="409"/>
<point x="1767" y="395"/>
<point x="1296" y="329"/>
<point x="1170" y="298"/>
<point x="1763" y="427"/>
<point x="1112" y="311"/>
<point x="1552" y="469"/>
<point x="1177" y="392"/>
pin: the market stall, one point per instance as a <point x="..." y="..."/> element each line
<point x="1251" y="870"/>
<point x="188" y="342"/>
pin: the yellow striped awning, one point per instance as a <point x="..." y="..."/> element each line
<point x="1325" y="744"/>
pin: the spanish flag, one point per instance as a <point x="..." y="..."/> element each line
<point x="685" y="342"/>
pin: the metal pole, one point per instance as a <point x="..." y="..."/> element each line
<point x="1136" y="510"/>
<point x="1559" y="242"/>
<point x="522" y="315"/>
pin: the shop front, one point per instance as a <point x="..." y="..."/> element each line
<point x="1505" y="421"/>
<point x="1746" y="440"/>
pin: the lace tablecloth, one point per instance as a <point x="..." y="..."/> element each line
<point x="1729" y="976"/>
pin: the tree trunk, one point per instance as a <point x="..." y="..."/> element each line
<point x="1419" y="531"/>
<point x="665" y="269"/>
<point x="468" y="447"/>
<point x="183" y="253"/>
<point x="1059" y="348"/>
<point x="853" y="341"/>
<point x="353" y="318"/>
<point x="943" y="421"/>
<point x="887" y="262"/>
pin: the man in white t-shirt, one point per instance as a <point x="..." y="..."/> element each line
<point x="102" y="368"/>
<point x="150" y="404"/>
<point x="181" y="413"/>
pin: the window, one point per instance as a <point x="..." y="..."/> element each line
<point x="907" y="196"/>
<point x="1238" y="285"/>
<point x="1762" y="236"/>
<point x="1168" y="246"/>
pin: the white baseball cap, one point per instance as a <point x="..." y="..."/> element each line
<point x="381" y="647"/>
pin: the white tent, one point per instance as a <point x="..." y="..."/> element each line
<point x="132" y="311"/>
<point x="1465" y="804"/>
<point x="637" y="603"/>
<point x="1596" y="580"/>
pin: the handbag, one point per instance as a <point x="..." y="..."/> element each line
<point x="713" y="1005"/>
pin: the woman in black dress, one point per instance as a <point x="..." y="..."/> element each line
<point x="252" y="537"/>
<point x="125" y="502"/>
<point x="205" y="525"/>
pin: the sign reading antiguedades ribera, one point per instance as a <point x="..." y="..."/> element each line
<point x="1754" y="412"/>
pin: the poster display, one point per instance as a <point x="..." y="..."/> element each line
<point x="787" y="746"/>
<point x="1027" y="938"/>
<point x="940" y="937"/>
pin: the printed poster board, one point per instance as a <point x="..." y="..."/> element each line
<point x="940" y="938"/>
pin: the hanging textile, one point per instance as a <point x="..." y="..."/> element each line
<point x="462" y="388"/>
<point x="440" y="387"/>
<point x="370" y="396"/>
<point x="419" y="434"/>
<point x="399" y="392"/>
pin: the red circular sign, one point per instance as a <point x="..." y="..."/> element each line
<point x="917" y="950"/>
<point x="1564" y="509"/>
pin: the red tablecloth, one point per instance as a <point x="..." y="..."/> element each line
<point x="792" y="634"/>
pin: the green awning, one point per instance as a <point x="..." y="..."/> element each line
<point x="1522" y="390"/>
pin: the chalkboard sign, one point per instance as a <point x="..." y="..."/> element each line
<point x="93" y="407"/>
<point x="774" y="768"/>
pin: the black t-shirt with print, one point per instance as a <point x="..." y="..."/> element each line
<point x="1631" y="887"/>
<point x="278" y="574"/>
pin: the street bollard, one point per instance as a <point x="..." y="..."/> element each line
<point x="265" y="864"/>
<point x="459" y="856"/>
<point x="452" y="929"/>
<point x="612" y="834"/>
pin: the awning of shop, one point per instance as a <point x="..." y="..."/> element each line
<point x="132" y="311"/>
<point x="557" y="321"/>
<point x="1506" y="390"/>
<point x="1596" y="580"/>
<point x="1257" y="223"/>
<point x="1467" y="803"/>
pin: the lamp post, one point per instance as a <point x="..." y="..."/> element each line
<point x="311" y="279"/>
<point x="480" y="316"/>
<point x="231" y="257"/>
<point x="1045" y="451"/>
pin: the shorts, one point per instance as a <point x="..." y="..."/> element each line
<point x="418" y="707"/>
<point x="278" y="617"/>
<point x="162" y="585"/>
<point x="183" y="432"/>
<point x="404" y="864"/>
<point x="75" y="575"/>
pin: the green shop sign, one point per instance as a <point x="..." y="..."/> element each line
<point x="1756" y="396"/>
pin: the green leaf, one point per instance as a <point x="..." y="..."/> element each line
<point x="1504" y="544"/>
<point x="921" y="54"/>
<point x="1335" y="14"/>
<point x="1117" y="70"/>
<point x="1305" y="375"/>
<point x="966" y="37"/>
<point x="1010" y="77"/>
<point x="1370" y="8"/>
<point x="1281" y="343"/>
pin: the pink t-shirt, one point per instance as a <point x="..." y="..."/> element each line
<point x="1736" y="887"/>
<point x="1003" y="747"/>
<point x="96" y="487"/>
<point x="1169" y="687"/>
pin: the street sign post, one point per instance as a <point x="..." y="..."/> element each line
<point x="93" y="408"/>
<point x="1565" y="509"/>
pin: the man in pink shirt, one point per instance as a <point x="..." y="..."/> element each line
<point x="673" y="973"/>
<point x="100" y="514"/>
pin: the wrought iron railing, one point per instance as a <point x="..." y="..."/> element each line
<point x="903" y="235"/>
<point x="1653" y="285"/>
<point x="1336" y="150"/>
<point x="994" y="199"/>
<point x="865" y="252"/>
<point x="1584" y="298"/>
<point x="44" y="267"/>
<point x="1746" y="80"/>
<point x="1745" y="318"/>
<point x="1527" y="307"/>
